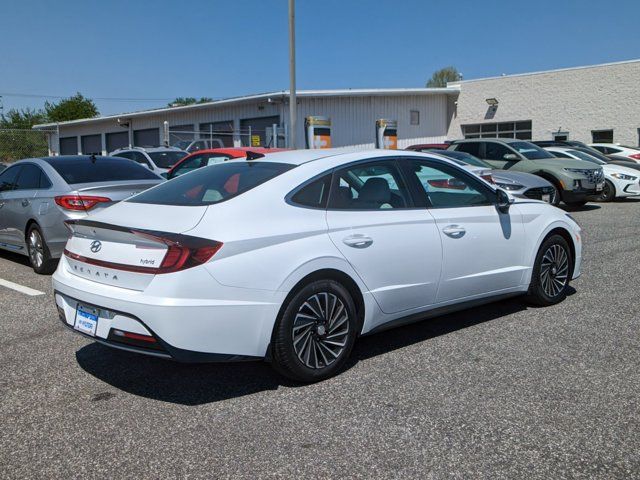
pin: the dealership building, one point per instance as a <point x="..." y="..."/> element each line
<point x="599" y="103"/>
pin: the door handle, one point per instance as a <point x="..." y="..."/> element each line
<point x="454" y="231"/>
<point x="25" y="203"/>
<point x="358" y="241"/>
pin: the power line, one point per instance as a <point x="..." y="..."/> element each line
<point x="104" y="99"/>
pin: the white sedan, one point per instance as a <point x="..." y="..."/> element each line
<point x="619" y="181"/>
<point x="292" y="256"/>
<point x="632" y="153"/>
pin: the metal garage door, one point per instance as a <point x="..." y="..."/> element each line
<point x="69" y="146"/>
<point x="258" y="129"/>
<point x="218" y="130"/>
<point x="117" y="140"/>
<point x="149" y="137"/>
<point x="181" y="132"/>
<point x="91" y="144"/>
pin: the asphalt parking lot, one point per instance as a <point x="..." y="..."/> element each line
<point x="501" y="391"/>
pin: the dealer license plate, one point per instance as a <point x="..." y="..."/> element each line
<point x="86" y="320"/>
<point x="599" y="187"/>
<point x="546" y="198"/>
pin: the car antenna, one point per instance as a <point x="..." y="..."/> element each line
<point x="254" y="155"/>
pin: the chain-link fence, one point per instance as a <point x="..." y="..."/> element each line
<point x="245" y="137"/>
<point x="18" y="144"/>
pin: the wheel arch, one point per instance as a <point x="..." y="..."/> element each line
<point x="564" y="233"/>
<point x="30" y="223"/>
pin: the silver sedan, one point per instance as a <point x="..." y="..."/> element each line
<point x="518" y="184"/>
<point x="38" y="194"/>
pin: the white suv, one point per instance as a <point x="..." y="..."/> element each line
<point x="157" y="159"/>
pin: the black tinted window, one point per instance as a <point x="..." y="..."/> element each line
<point x="8" y="179"/>
<point x="495" y="151"/>
<point x="213" y="184"/>
<point x="472" y="148"/>
<point x="315" y="194"/>
<point x="86" y="170"/>
<point x="166" y="159"/>
<point x="29" y="178"/>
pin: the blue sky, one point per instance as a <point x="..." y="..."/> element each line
<point x="164" y="49"/>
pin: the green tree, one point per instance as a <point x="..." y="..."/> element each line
<point x="441" y="77"/>
<point x="182" y="101"/>
<point x="22" y="119"/>
<point x="71" y="108"/>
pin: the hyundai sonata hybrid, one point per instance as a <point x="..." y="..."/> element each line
<point x="292" y="256"/>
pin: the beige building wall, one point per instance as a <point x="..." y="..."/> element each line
<point x="577" y="100"/>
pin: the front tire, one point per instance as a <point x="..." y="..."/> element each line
<point x="608" y="192"/>
<point x="552" y="272"/>
<point x="39" y="254"/>
<point x="314" y="335"/>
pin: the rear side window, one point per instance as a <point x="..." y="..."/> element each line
<point x="213" y="184"/>
<point x="472" y="148"/>
<point x="32" y="178"/>
<point x="8" y="179"/>
<point x="315" y="194"/>
<point x="102" y="169"/>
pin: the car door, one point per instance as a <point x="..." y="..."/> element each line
<point x="482" y="249"/>
<point x="8" y="183"/>
<point x="393" y="246"/>
<point x="17" y="203"/>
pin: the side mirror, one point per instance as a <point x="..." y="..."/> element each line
<point x="512" y="157"/>
<point x="503" y="201"/>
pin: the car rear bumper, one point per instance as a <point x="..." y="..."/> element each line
<point x="227" y="328"/>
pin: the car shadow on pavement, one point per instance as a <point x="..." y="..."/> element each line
<point x="15" y="257"/>
<point x="196" y="384"/>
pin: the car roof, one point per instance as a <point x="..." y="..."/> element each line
<point x="148" y="149"/>
<point x="491" y="139"/>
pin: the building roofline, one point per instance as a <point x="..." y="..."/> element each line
<point x="598" y="65"/>
<point x="348" y="92"/>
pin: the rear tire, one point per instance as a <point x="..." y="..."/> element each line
<point x="552" y="272"/>
<point x="39" y="254"/>
<point x="314" y="335"/>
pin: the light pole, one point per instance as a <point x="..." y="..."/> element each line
<point x="292" y="74"/>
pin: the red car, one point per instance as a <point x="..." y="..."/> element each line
<point x="204" y="158"/>
<point x="421" y="147"/>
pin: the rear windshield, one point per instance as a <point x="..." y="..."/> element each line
<point x="212" y="184"/>
<point x="166" y="159"/>
<point x="463" y="157"/>
<point x="101" y="169"/>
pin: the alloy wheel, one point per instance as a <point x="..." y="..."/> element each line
<point x="320" y="330"/>
<point x="554" y="270"/>
<point x="36" y="248"/>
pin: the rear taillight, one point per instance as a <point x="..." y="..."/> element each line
<point x="635" y="156"/>
<point x="80" y="202"/>
<point x="182" y="252"/>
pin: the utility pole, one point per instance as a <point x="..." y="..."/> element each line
<point x="292" y="75"/>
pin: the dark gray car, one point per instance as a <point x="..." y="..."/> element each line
<point x="38" y="194"/>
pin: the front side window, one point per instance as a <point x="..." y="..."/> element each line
<point x="495" y="151"/>
<point x="166" y="159"/>
<point x="212" y="185"/>
<point x="8" y="179"/>
<point x="444" y="187"/>
<point x="198" y="161"/>
<point x="369" y="186"/>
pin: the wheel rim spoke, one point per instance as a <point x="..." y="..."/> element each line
<point x="320" y="330"/>
<point x="554" y="270"/>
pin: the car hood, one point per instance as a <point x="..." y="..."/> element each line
<point x="564" y="163"/>
<point x="526" y="179"/>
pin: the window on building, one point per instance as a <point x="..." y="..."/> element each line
<point x="415" y="117"/>
<point x="519" y="129"/>
<point x="602" y="136"/>
<point x="560" y="136"/>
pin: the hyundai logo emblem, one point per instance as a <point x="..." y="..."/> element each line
<point x="96" y="245"/>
